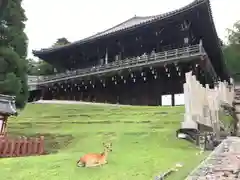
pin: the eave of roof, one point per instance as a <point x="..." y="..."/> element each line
<point x="7" y="105"/>
<point x="129" y="24"/>
<point x="226" y="72"/>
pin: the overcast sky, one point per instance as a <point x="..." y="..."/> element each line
<point x="76" y="19"/>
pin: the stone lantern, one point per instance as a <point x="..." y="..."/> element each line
<point x="7" y="108"/>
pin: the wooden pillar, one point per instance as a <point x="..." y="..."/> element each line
<point x="3" y="124"/>
<point x="122" y="53"/>
<point x="106" y="56"/>
<point x="43" y="93"/>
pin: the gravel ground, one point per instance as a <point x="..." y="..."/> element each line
<point x="222" y="164"/>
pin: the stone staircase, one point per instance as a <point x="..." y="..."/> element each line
<point x="236" y="104"/>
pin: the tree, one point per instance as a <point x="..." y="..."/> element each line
<point x="232" y="51"/>
<point x="3" y="5"/>
<point x="234" y="34"/>
<point x="13" y="51"/>
<point x="42" y="67"/>
<point x="60" y="42"/>
<point x="45" y="68"/>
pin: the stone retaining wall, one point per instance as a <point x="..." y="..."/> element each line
<point x="222" y="163"/>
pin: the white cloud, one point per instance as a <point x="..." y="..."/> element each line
<point x="75" y="19"/>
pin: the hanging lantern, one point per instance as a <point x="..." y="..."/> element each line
<point x="134" y="80"/>
<point x="65" y="90"/>
<point x="152" y="71"/>
<point x="121" y="77"/>
<point x="101" y="80"/>
<point x="151" y="67"/>
<point x="104" y="85"/>
<point x="68" y="85"/>
<point x="93" y="85"/>
<point x="75" y="85"/>
<point x="144" y="78"/>
<point x="82" y="82"/>
<point x="155" y="77"/>
<point x="131" y="75"/>
<point x="78" y="88"/>
<point x="124" y="81"/>
<point x="169" y="74"/>
<point x="166" y="69"/>
<point x="142" y="74"/>
<point x="179" y="73"/>
<point x="112" y="78"/>
<point x="85" y="87"/>
<point x="90" y="82"/>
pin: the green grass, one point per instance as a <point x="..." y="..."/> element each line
<point x="144" y="142"/>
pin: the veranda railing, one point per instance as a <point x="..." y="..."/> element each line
<point x="144" y="60"/>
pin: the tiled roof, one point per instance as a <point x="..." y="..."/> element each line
<point x="127" y="25"/>
<point x="7" y="105"/>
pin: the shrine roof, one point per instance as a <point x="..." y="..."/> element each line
<point x="129" y="24"/>
<point x="7" y="105"/>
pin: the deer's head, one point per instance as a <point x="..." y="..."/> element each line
<point x="107" y="147"/>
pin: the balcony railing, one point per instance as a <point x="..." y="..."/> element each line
<point x="144" y="60"/>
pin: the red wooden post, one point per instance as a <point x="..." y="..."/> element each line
<point x="17" y="146"/>
<point x="1" y="146"/>
<point x="21" y="142"/>
<point x="12" y="145"/>
<point x="41" y="146"/>
<point x="30" y="145"/>
<point x="35" y="146"/>
<point x="5" y="150"/>
<point x="24" y="146"/>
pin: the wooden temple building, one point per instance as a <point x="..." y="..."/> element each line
<point x="7" y="108"/>
<point x="139" y="60"/>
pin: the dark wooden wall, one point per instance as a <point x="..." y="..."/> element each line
<point x="121" y="88"/>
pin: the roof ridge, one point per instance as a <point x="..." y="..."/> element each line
<point x="110" y="28"/>
<point x="154" y="17"/>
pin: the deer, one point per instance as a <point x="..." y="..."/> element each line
<point x="95" y="159"/>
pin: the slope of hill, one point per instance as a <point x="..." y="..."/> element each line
<point x="143" y="138"/>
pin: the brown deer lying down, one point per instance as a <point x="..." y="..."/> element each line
<point x="95" y="159"/>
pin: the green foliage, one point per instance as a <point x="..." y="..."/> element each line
<point x="234" y="34"/>
<point x="45" y="68"/>
<point x="61" y="41"/>
<point x="232" y="56"/>
<point x="3" y="5"/>
<point x="232" y="51"/>
<point x="42" y="67"/>
<point x="13" y="51"/>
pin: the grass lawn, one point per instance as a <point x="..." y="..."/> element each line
<point x="143" y="138"/>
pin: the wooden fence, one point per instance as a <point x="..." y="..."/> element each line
<point x="21" y="146"/>
<point x="202" y="104"/>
